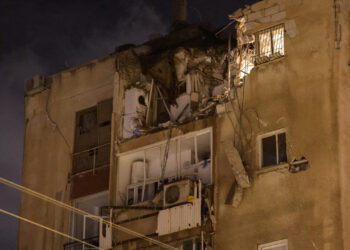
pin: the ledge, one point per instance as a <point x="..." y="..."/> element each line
<point x="265" y="170"/>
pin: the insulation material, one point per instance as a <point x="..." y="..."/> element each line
<point x="236" y="164"/>
<point x="182" y="108"/>
<point x="180" y="63"/>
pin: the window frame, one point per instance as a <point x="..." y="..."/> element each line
<point x="272" y="54"/>
<point x="123" y="188"/>
<point x="98" y="145"/>
<point x="260" y="147"/>
<point x="72" y="215"/>
<point x="278" y="243"/>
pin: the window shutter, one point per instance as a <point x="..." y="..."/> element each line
<point x="86" y="130"/>
<point x="104" y="112"/>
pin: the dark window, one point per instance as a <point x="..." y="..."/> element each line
<point x="269" y="151"/>
<point x="87" y="121"/>
<point x="274" y="150"/>
<point x="282" y="149"/>
<point x="92" y="137"/>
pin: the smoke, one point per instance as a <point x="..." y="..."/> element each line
<point x="140" y="21"/>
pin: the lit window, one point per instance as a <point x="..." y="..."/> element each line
<point x="270" y="44"/>
<point x="277" y="245"/>
<point x="247" y="65"/>
<point x="273" y="149"/>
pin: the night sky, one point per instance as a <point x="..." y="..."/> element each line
<point x="45" y="37"/>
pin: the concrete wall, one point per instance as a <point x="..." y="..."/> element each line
<point x="47" y="157"/>
<point x="298" y="93"/>
<point x="342" y="76"/>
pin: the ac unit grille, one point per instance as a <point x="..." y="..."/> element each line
<point x="172" y="194"/>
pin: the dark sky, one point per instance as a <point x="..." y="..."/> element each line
<point x="42" y="36"/>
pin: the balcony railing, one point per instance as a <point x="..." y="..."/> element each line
<point x="91" y="158"/>
<point x="75" y="245"/>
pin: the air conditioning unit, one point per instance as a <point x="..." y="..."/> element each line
<point x="177" y="192"/>
<point x="36" y="83"/>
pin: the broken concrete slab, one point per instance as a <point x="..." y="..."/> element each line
<point x="236" y="163"/>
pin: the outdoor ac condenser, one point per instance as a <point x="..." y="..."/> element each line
<point x="177" y="192"/>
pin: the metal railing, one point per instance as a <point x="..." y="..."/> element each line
<point x="91" y="158"/>
<point x="269" y="44"/>
<point x="80" y="246"/>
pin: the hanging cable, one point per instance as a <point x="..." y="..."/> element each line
<point x="81" y="212"/>
<point x="165" y="157"/>
<point x="50" y="229"/>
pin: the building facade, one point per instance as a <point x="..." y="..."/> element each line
<point x="199" y="141"/>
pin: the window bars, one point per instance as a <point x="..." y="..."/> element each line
<point x="269" y="44"/>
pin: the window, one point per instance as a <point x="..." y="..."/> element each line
<point x="92" y="137"/>
<point x="189" y="156"/>
<point x="277" y="245"/>
<point x="273" y="149"/>
<point x="141" y="192"/>
<point x="84" y="226"/>
<point x="189" y="244"/>
<point x="269" y="44"/>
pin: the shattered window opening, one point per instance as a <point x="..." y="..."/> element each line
<point x="270" y="44"/>
<point x="273" y="149"/>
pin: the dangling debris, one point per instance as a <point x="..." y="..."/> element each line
<point x="236" y="164"/>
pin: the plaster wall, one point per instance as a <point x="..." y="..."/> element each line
<point x="297" y="93"/>
<point x="49" y="145"/>
<point x="342" y="76"/>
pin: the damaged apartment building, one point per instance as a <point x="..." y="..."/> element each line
<point x="199" y="139"/>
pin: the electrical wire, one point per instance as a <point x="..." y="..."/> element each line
<point x="50" y="229"/>
<point x="81" y="212"/>
<point x="165" y="157"/>
<point x="53" y="123"/>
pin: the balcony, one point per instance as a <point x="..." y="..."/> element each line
<point x="75" y="245"/>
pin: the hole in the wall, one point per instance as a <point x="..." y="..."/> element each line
<point x="142" y="100"/>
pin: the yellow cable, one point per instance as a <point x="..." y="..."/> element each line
<point x="50" y="229"/>
<point x="81" y="212"/>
